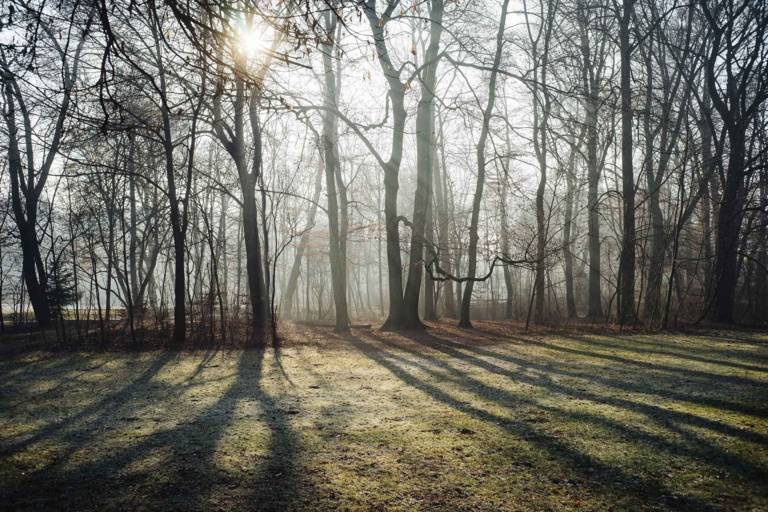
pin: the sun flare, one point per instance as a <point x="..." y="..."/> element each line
<point x="250" y="39"/>
<point x="250" y="42"/>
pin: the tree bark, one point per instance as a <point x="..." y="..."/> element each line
<point x="590" y="82"/>
<point x="425" y="141"/>
<point x="336" y="252"/>
<point x="627" y="263"/>
<point x="464" y="318"/>
<point x="443" y="222"/>
<point x="392" y="165"/>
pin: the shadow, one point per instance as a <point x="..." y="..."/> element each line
<point x="277" y="351"/>
<point x="707" y="376"/>
<point x="733" y="336"/>
<point x="42" y="365"/>
<point x="666" y="383"/>
<point x="616" y="480"/>
<point x="644" y="343"/>
<point x="217" y="430"/>
<point x="640" y="346"/>
<point x="176" y="466"/>
<point x="665" y="417"/>
<point x="93" y="415"/>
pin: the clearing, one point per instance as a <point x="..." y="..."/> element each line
<point x="449" y="420"/>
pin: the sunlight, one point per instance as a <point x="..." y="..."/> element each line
<point x="249" y="39"/>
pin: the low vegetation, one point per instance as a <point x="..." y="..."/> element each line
<point x="449" y="420"/>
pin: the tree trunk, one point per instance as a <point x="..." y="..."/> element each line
<point x="464" y="319"/>
<point x="25" y="215"/>
<point x="293" y="276"/>
<point x="541" y="107"/>
<point x="652" y="304"/>
<point x="627" y="263"/>
<point x="430" y="309"/>
<point x="590" y="84"/>
<point x="392" y="166"/>
<point x="504" y="192"/>
<point x="443" y="221"/>
<point x="425" y="141"/>
<point x="708" y="175"/>
<point x="570" y="301"/>
<point x="729" y="227"/>
<point x="336" y="251"/>
<point x="253" y="263"/>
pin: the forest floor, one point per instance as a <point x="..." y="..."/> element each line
<point x="444" y="420"/>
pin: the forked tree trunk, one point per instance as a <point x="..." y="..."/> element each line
<point x="391" y="167"/>
<point x="425" y="141"/>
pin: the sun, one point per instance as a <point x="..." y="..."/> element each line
<point x="250" y="42"/>
<point x="249" y="38"/>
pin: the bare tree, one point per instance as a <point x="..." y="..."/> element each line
<point x="61" y="39"/>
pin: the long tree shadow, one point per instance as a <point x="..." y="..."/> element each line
<point x="179" y="467"/>
<point x="644" y="347"/>
<point x="93" y="415"/>
<point x="43" y="365"/>
<point x="735" y="357"/>
<point x="540" y="342"/>
<point x="614" y="478"/>
<point x="664" y="385"/>
<point x="664" y="417"/>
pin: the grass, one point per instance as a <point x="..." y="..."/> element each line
<point x="445" y="420"/>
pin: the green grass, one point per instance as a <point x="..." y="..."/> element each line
<point x="449" y="420"/>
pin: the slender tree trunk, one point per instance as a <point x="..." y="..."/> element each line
<point x="25" y="215"/>
<point x="178" y="219"/>
<point x="652" y="304"/>
<point x="708" y="174"/>
<point x="505" y="245"/>
<point x="293" y="276"/>
<point x="464" y="319"/>
<point x="541" y="107"/>
<point x="570" y="300"/>
<point x="430" y="309"/>
<point x="590" y="84"/>
<point x="332" y="164"/>
<point x="392" y="166"/>
<point x="443" y="222"/>
<point x="234" y="141"/>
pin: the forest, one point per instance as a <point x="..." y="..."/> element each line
<point x="384" y="255"/>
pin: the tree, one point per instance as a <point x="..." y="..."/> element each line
<point x="736" y="76"/>
<point x="245" y="87"/>
<point x="593" y="64"/>
<point x="541" y="113"/>
<point x="330" y="136"/>
<point x="464" y="318"/>
<point x="425" y="142"/>
<point x="391" y="167"/>
<point x="58" y="47"/>
<point x="627" y="262"/>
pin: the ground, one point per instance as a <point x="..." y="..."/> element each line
<point x="449" y="420"/>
